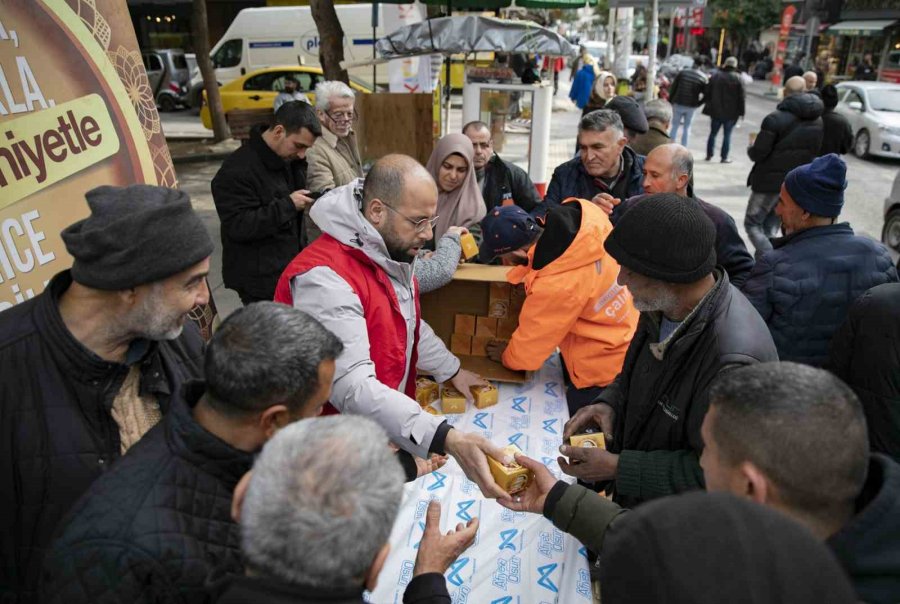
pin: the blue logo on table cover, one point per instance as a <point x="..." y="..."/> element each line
<point x="419" y="542"/>
<point x="546" y="580"/>
<point x="548" y="426"/>
<point x="462" y="510"/>
<point x="507" y="536"/>
<point x="515" y="438"/>
<point x="503" y="600"/>
<point x="439" y="480"/>
<point x="550" y="389"/>
<point x="457" y="566"/>
<point x="479" y="420"/>
<point x="518" y="402"/>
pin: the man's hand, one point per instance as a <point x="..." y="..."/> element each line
<point x="427" y="466"/>
<point x="495" y="349"/>
<point x="301" y="199"/>
<point x="471" y="451"/>
<point x="606" y="202"/>
<point x="436" y="551"/>
<point x="593" y="464"/>
<point x="599" y="415"/>
<point x="464" y="380"/>
<point x="531" y="499"/>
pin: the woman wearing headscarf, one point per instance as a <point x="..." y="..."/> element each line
<point x="604" y="88"/>
<point x="460" y="207"/>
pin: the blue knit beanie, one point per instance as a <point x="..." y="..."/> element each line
<point x="819" y="187"/>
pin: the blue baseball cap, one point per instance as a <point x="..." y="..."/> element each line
<point x="505" y="229"/>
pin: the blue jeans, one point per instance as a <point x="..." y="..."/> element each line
<point x="682" y="113"/>
<point x="713" y="131"/>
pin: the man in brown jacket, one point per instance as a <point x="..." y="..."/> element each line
<point x="334" y="160"/>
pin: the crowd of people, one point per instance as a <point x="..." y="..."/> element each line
<point x="143" y="464"/>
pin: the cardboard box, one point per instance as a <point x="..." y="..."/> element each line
<point x="452" y="400"/>
<point x="479" y="345"/>
<point x="592" y="440"/>
<point x="486" y="326"/>
<point x="464" y="324"/>
<point x="460" y="344"/>
<point x="506" y="328"/>
<point x="485" y="396"/>
<point x="512" y="479"/>
<point x="426" y="391"/>
<point x="469" y="247"/>
<point x="469" y="294"/>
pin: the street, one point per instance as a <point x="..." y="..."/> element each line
<point x="869" y="181"/>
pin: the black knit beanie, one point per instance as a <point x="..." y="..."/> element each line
<point x="135" y="235"/>
<point x="665" y="237"/>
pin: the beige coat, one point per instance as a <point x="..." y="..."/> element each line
<point x="332" y="162"/>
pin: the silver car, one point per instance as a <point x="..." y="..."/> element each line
<point x="890" y="234"/>
<point x="873" y="109"/>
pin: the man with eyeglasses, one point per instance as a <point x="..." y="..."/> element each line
<point x="260" y="194"/>
<point x="357" y="279"/>
<point x="502" y="183"/>
<point x="334" y="160"/>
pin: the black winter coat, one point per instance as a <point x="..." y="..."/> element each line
<point x="689" y="88"/>
<point x="430" y="588"/>
<point x="504" y="180"/>
<point x="662" y="393"/>
<point x="157" y="524"/>
<point x="570" y="179"/>
<point x="724" y="99"/>
<point x="865" y="353"/>
<point x="259" y="224"/>
<point x="789" y="137"/>
<point x="837" y="136"/>
<point x="56" y="427"/>
<point x="804" y="287"/>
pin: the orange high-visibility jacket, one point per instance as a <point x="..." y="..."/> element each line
<point x="575" y="303"/>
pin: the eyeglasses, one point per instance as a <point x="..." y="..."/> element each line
<point x="342" y="118"/>
<point x="420" y="225"/>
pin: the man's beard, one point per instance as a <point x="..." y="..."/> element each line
<point x="154" y="321"/>
<point x="397" y="251"/>
<point x="661" y="300"/>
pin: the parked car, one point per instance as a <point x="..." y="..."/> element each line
<point x="873" y="109"/>
<point x="258" y="89"/>
<point x="675" y="63"/>
<point x="890" y="233"/>
<point x="169" y="77"/>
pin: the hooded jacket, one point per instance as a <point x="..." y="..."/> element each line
<point x="724" y="98"/>
<point x="789" y="137"/>
<point x="837" y="134"/>
<point x="865" y="353"/>
<point x="804" y="287"/>
<point x="324" y="294"/>
<point x="572" y="299"/>
<point x="868" y="546"/>
<point x="689" y="88"/>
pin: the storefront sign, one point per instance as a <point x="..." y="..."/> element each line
<point x="787" y="18"/>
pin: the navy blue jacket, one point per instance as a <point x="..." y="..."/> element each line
<point x="572" y="180"/>
<point x="804" y="287"/>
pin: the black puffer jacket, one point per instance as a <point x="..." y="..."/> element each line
<point x="837" y="136"/>
<point x="259" y="223"/>
<point x="504" y="180"/>
<point x="689" y="88"/>
<point x="724" y="98"/>
<point x="662" y="393"/>
<point x="157" y="524"/>
<point x="865" y="353"/>
<point x="789" y="137"/>
<point x="57" y="431"/>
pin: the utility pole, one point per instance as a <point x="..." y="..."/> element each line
<point x="651" y="50"/>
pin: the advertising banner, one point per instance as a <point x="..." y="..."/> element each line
<point x="76" y="111"/>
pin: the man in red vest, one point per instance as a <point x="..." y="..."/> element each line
<point x="357" y="279"/>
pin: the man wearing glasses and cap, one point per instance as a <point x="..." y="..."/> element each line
<point x="334" y="158"/>
<point x="357" y="280"/>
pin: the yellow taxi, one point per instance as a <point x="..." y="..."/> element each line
<point x="258" y="89"/>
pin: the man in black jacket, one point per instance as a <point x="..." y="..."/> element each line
<point x="837" y="135"/>
<point x="605" y="166"/>
<point x="93" y="363"/>
<point x="693" y="326"/>
<point x="502" y="183"/>
<point x="348" y="460"/>
<point x="789" y="137"/>
<point x="154" y="526"/>
<point x="686" y="93"/>
<point x="260" y="196"/>
<point x="724" y="104"/>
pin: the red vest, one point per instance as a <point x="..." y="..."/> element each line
<point x="385" y="324"/>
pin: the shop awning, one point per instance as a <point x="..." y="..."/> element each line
<point x="856" y="28"/>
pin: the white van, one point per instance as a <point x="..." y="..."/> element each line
<point x="263" y="37"/>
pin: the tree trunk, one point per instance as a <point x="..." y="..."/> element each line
<point x="331" y="40"/>
<point x="200" y="32"/>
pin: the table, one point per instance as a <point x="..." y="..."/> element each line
<point x="517" y="558"/>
